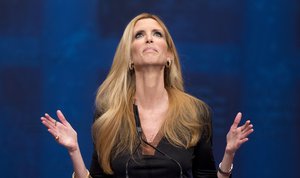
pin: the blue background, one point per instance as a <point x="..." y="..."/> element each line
<point x="237" y="55"/>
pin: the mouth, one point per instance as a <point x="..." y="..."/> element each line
<point x="150" y="49"/>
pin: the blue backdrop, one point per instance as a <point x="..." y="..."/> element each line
<point x="236" y="55"/>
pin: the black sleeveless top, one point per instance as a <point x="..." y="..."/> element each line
<point x="195" y="162"/>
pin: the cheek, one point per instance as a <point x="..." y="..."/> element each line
<point x="134" y="50"/>
<point x="164" y="48"/>
<point x="137" y="55"/>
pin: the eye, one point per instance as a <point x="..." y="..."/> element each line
<point x="138" y="35"/>
<point x="158" y="34"/>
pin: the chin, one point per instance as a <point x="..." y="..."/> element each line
<point x="153" y="63"/>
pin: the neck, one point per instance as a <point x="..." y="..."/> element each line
<point x="150" y="89"/>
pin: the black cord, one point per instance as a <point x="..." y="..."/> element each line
<point x="166" y="155"/>
<point x="163" y="153"/>
<point x="139" y="133"/>
<point x="131" y="155"/>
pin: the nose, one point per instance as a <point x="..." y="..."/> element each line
<point x="149" y="39"/>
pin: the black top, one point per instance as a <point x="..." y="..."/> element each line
<point x="196" y="162"/>
<point x="164" y="161"/>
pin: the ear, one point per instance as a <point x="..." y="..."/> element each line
<point x="170" y="56"/>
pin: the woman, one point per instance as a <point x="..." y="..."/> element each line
<point x="145" y="124"/>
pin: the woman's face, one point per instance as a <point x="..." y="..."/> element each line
<point x="149" y="46"/>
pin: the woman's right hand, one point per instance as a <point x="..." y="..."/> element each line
<point x="62" y="131"/>
<point x="238" y="135"/>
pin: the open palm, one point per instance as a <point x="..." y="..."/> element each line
<point x="238" y="135"/>
<point x="62" y="131"/>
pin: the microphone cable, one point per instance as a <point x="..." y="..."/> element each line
<point x="139" y="133"/>
<point x="164" y="154"/>
<point x="131" y="155"/>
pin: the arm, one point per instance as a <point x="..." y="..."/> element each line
<point x="235" y="138"/>
<point x="95" y="168"/>
<point x="203" y="162"/>
<point x="66" y="136"/>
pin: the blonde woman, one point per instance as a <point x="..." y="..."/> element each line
<point x="145" y="124"/>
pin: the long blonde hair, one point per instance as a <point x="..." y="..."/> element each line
<point x="114" y="131"/>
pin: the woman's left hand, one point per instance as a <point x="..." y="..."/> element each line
<point x="237" y="135"/>
<point x="62" y="131"/>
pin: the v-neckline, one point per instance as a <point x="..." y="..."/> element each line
<point x="148" y="150"/>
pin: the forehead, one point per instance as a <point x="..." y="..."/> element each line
<point x="147" y="23"/>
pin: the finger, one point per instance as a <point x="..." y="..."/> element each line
<point x="62" y="118"/>
<point x="47" y="123"/>
<point x="243" y="141"/>
<point x="47" y="118"/>
<point x="246" y="134"/>
<point x="54" y="134"/>
<point x="53" y="121"/>
<point x="247" y="123"/>
<point x="50" y="118"/>
<point x="237" y="120"/>
<point x="44" y="122"/>
<point x="248" y="127"/>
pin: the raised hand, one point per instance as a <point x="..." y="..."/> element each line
<point x="238" y="135"/>
<point x="62" y="131"/>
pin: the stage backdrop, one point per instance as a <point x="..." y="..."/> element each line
<point x="236" y="55"/>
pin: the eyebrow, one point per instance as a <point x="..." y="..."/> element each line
<point x="153" y="30"/>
